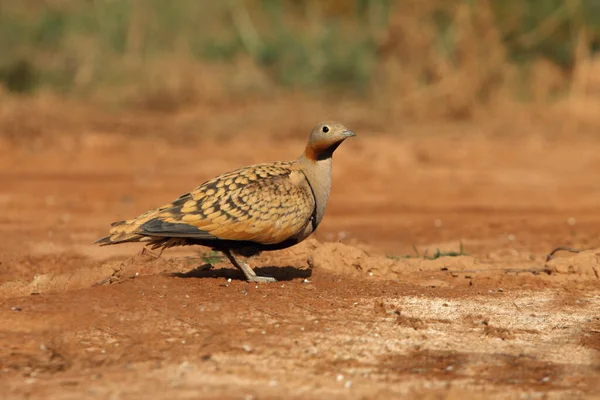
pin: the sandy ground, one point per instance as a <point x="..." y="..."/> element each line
<point x="357" y="312"/>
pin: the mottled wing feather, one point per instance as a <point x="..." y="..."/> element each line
<point x="157" y="227"/>
<point x="265" y="203"/>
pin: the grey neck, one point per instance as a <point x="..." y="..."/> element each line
<point x="318" y="174"/>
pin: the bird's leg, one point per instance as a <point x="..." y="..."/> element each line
<point x="560" y="248"/>
<point x="151" y="253"/>
<point x="248" y="272"/>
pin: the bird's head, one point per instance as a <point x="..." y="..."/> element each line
<point x="324" y="139"/>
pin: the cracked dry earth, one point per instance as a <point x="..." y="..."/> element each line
<point x="356" y="314"/>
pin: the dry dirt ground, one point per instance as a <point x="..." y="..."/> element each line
<point x="357" y="312"/>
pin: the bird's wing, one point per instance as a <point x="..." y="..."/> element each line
<point x="265" y="203"/>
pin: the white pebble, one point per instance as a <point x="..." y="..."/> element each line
<point x="339" y="377"/>
<point x="184" y="365"/>
<point x="342" y="235"/>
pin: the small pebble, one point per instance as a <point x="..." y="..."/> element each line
<point x="339" y="377"/>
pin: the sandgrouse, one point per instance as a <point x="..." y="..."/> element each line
<point x="262" y="207"/>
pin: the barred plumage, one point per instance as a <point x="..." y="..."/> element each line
<point x="261" y="207"/>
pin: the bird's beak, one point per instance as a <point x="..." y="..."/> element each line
<point x="348" y="134"/>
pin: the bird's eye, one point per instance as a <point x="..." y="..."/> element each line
<point x="325" y="129"/>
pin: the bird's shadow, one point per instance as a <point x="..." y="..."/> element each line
<point x="280" y="273"/>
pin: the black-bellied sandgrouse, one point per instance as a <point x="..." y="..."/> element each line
<point x="243" y="212"/>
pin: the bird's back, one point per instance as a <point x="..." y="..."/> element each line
<point x="264" y="204"/>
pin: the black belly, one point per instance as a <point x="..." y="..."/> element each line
<point x="241" y="247"/>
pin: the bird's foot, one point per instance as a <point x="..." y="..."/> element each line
<point x="261" y="279"/>
<point x="248" y="272"/>
<point x="146" y="251"/>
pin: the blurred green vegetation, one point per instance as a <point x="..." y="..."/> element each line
<point x="76" y="46"/>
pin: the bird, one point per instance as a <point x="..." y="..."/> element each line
<point x="261" y="207"/>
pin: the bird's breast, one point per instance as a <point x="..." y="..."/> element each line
<point x="305" y="232"/>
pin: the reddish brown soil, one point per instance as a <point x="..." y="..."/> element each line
<point x="351" y="317"/>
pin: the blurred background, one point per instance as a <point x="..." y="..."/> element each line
<point x="409" y="61"/>
<point x="476" y="154"/>
<point x="459" y="106"/>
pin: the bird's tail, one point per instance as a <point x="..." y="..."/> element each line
<point x="129" y="231"/>
<point x="123" y="232"/>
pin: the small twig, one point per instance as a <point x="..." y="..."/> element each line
<point x="516" y="306"/>
<point x="561" y="248"/>
<point x="506" y="270"/>
<point x="416" y="251"/>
